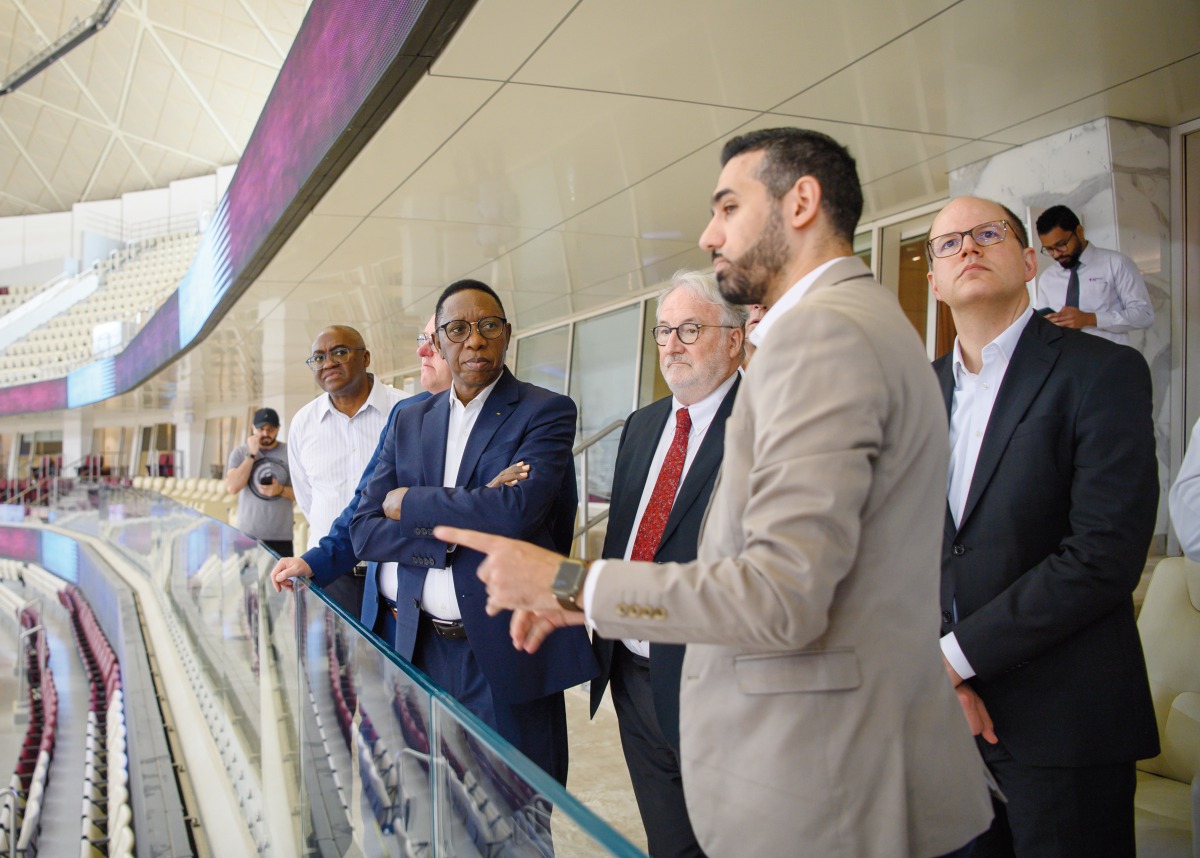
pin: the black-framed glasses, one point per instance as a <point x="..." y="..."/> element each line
<point x="489" y="327"/>
<point x="688" y="332"/>
<point x="334" y="356"/>
<point x="1060" y="247"/>
<point x="992" y="232"/>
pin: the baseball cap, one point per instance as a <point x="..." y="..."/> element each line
<point x="265" y="417"/>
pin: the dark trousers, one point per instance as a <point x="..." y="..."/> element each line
<point x="1059" y="811"/>
<point x="537" y="728"/>
<point x="653" y="763"/>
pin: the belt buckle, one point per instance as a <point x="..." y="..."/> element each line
<point x="452" y="630"/>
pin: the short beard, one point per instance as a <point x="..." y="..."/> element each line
<point x="747" y="279"/>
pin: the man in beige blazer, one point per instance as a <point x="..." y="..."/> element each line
<point x="815" y="715"/>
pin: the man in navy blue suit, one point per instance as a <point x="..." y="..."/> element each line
<point x="333" y="557"/>
<point x="433" y="468"/>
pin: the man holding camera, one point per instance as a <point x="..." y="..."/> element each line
<point x="258" y="474"/>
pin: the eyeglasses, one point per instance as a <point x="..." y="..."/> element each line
<point x="424" y="340"/>
<point x="1059" y="247"/>
<point x="992" y="232"/>
<point x="334" y="356"/>
<point x="688" y="332"/>
<point x="489" y="327"/>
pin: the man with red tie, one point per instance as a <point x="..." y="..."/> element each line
<point x="665" y="472"/>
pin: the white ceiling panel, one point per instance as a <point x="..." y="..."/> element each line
<point x="499" y="35"/>
<point x="428" y="117"/>
<point x="739" y="55"/>
<point x="982" y="67"/>
<point x="534" y="156"/>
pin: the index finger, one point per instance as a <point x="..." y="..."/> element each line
<point x="482" y="542"/>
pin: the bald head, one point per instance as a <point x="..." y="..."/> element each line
<point x="339" y="362"/>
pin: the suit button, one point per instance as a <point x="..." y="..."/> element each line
<point x="959" y="550"/>
<point x="622" y="610"/>
<point x="660" y="613"/>
<point x="947" y="616"/>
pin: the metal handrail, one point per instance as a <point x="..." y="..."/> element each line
<point x="588" y="442"/>
<point x="584" y="513"/>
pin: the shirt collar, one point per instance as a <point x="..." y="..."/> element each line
<point x="477" y="402"/>
<point x="376" y="399"/>
<point x="1087" y="257"/>
<point x="789" y="299"/>
<point x="703" y="412"/>
<point x="1005" y="344"/>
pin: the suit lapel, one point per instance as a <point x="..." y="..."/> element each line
<point x="1031" y="363"/>
<point x="500" y="404"/>
<point x="707" y="461"/>
<point x="945" y="374"/>
<point x="640" y="447"/>
<point x="433" y="442"/>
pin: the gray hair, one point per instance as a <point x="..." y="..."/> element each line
<point x="704" y="287"/>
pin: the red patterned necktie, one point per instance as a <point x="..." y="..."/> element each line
<point x="658" y="510"/>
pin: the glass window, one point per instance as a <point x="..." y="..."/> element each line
<point x="542" y="359"/>
<point x="653" y="386"/>
<point x="862" y="247"/>
<point x="603" y="367"/>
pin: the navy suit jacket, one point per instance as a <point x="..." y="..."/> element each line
<point x="680" y="539"/>
<point x="334" y="555"/>
<point x="519" y="422"/>
<point x="1051" y="543"/>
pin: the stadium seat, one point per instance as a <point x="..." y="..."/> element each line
<point x="1167" y="806"/>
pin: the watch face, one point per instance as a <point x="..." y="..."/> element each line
<point x="569" y="582"/>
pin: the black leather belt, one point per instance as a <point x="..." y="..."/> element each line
<point x="451" y="630"/>
<point x="360" y="571"/>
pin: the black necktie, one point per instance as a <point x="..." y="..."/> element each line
<point x="1073" y="287"/>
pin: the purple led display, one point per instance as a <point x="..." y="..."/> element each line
<point x="341" y="56"/>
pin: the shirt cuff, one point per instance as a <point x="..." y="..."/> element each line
<point x="589" y="591"/>
<point x="954" y="654"/>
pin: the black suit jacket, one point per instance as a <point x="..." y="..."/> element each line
<point x="1050" y="545"/>
<point x="639" y="440"/>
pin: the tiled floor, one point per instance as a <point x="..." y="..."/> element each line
<point x="598" y="776"/>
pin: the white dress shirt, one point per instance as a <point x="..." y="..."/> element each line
<point x="1185" y="498"/>
<point x="702" y="414"/>
<point x="788" y="300"/>
<point x="970" y="410"/>
<point x="1110" y="286"/>
<point x="328" y="451"/>
<point x="438" y="597"/>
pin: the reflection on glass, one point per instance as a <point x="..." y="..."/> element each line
<point x="862" y="247"/>
<point x="913" y="285"/>
<point x="314" y="737"/>
<point x="603" y="368"/>
<point x="542" y="359"/>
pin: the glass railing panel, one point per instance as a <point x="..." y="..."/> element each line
<point x="491" y="800"/>
<point x="328" y="742"/>
<point x="364" y="739"/>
